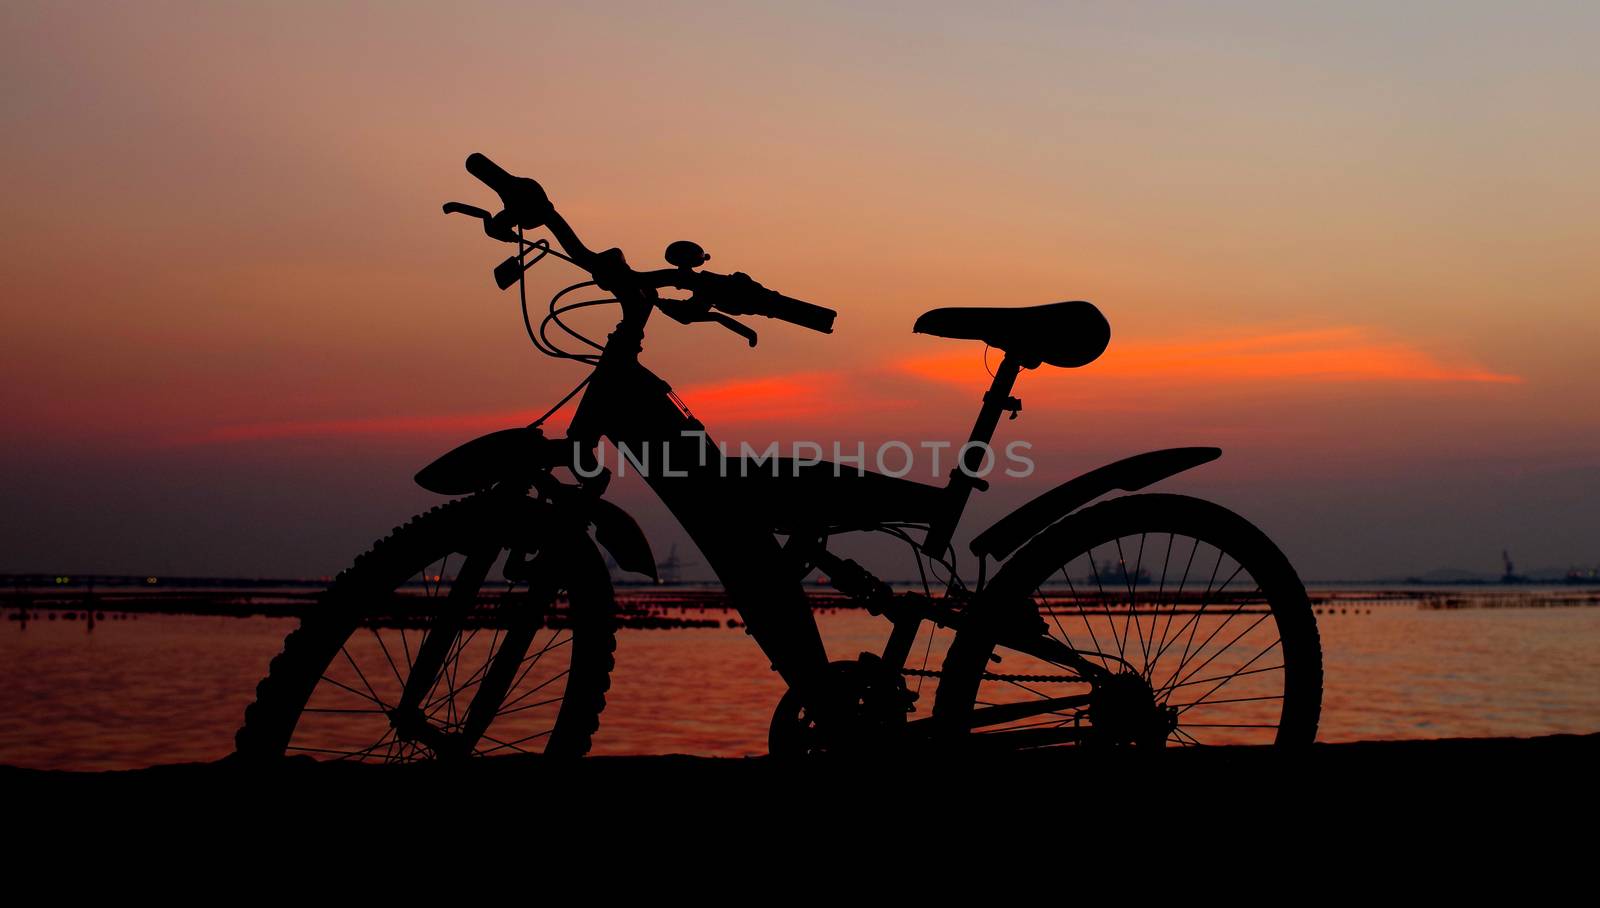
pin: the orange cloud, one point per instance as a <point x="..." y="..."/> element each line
<point x="373" y="426"/>
<point x="1343" y="354"/>
<point x="770" y="399"/>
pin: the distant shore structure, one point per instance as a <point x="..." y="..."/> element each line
<point x="1573" y="574"/>
<point x="1511" y="575"/>
<point x="668" y="570"/>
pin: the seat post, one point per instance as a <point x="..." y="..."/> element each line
<point x="963" y="477"/>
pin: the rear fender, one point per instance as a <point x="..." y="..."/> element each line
<point x="1129" y="474"/>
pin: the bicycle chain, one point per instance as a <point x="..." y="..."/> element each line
<point x="993" y="676"/>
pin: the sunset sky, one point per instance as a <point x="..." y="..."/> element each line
<point x="1353" y="244"/>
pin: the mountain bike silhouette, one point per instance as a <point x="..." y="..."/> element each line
<point x="1143" y="620"/>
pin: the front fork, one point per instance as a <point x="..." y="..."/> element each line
<point x="520" y="616"/>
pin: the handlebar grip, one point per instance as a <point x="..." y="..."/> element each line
<point x="806" y="315"/>
<point x="493" y="175"/>
<point x="524" y="199"/>
<point x="738" y="294"/>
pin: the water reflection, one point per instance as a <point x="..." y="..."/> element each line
<point x="171" y="688"/>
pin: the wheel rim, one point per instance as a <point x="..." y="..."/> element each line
<point x="1180" y="629"/>
<point x="495" y="686"/>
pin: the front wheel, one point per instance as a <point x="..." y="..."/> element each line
<point x="1171" y="621"/>
<point x="484" y="627"/>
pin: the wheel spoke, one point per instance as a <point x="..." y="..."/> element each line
<point x="1131" y="582"/>
<point x="1201" y="666"/>
<point x="362" y="675"/>
<point x="534" y="659"/>
<point x="1084" y="614"/>
<point x="474" y="637"/>
<point x="337" y="683"/>
<point x="1094" y="570"/>
<point x="392" y="667"/>
<point x="1235" y="674"/>
<point x="533" y="690"/>
<point x="1253" y="671"/>
<point x="1227" y="725"/>
<point x="1193" y="624"/>
<point x="1199" y="650"/>
<point x="342" y="754"/>
<point x="513" y="744"/>
<point x="1177" y="597"/>
<point x="472" y="680"/>
<point x="507" y="712"/>
<point x="1225" y="621"/>
<point x="1185" y="707"/>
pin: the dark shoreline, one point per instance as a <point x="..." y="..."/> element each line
<point x="1440" y="757"/>
<point x="651" y="606"/>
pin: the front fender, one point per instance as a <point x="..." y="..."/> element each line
<point x="1129" y="474"/>
<point x="488" y="459"/>
<point x="484" y="461"/>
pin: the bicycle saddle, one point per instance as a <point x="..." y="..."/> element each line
<point x="1061" y="334"/>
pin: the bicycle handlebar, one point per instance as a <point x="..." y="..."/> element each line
<point x="739" y="294"/>
<point x="524" y="198"/>
<point x="527" y="206"/>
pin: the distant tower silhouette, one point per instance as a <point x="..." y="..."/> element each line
<point x="668" y="569"/>
<point x="1511" y="575"/>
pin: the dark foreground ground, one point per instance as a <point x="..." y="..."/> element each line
<point x="1416" y="818"/>
<point x="1485" y="773"/>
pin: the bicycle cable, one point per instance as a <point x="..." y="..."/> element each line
<point x="561" y="403"/>
<point x="523" y="247"/>
<point x="540" y="341"/>
<point x="555" y="317"/>
<point x="952" y="580"/>
<point x="953" y="583"/>
<point x="916" y="556"/>
<point x="898" y="531"/>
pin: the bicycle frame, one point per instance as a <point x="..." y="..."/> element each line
<point x="634" y="409"/>
<point x="763" y="531"/>
<point x="627" y="404"/>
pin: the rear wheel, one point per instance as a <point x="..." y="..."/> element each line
<point x="473" y="630"/>
<point x="1189" y="626"/>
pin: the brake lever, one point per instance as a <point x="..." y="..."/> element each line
<point x="500" y="226"/>
<point x="688" y="312"/>
<point x="734" y="325"/>
<point x="464" y="208"/>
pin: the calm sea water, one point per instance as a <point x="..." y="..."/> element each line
<point x="160" y="689"/>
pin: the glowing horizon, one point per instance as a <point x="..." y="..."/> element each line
<point x="1354" y="246"/>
